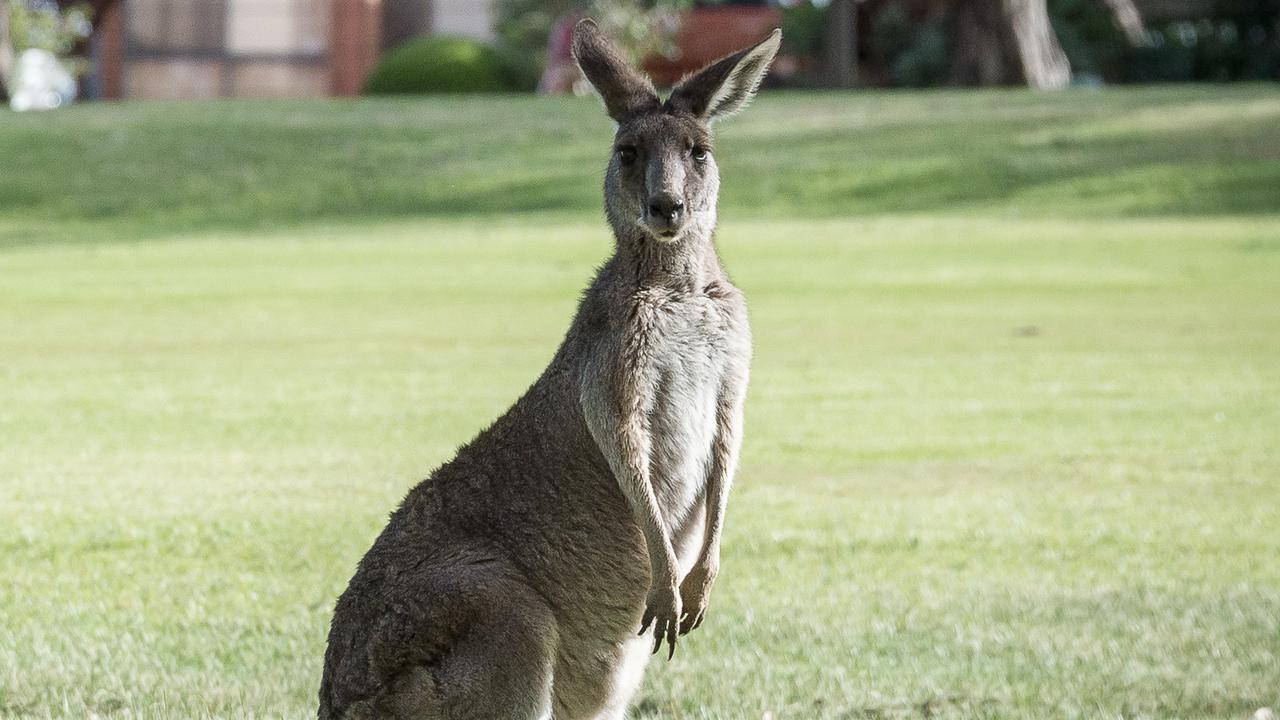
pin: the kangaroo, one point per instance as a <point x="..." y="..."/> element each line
<point x="511" y="584"/>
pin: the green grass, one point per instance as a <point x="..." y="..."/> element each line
<point x="1012" y="444"/>
<point x="127" y="171"/>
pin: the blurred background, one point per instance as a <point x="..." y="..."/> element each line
<point x="171" y="49"/>
<point x="1014" y="276"/>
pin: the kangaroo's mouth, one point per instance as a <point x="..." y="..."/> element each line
<point x="665" y="236"/>
<point x="661" y="230"/>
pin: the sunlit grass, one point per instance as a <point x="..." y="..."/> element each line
<point x="98" y="172"/>
<point x="996" y="465"/>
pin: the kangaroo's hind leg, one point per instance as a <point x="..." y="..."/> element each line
<point x="493" y="662"/>
<point x="628" y="673"/>
<point x="502" y="667"/>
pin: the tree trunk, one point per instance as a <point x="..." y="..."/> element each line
<point x="842" y="43"/>
<point x="6" y="49"/>
<point x="999" y="42"/>
<point x="1129" y="20"/>
<point x="978" y="46"/>
<point x="1044" y="64"/>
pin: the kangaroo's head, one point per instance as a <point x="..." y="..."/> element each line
<point x="662" y="182"/>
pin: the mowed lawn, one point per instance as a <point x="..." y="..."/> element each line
<point x="1013" y="444"/>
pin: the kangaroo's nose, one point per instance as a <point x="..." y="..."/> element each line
<point x="666" y="206"/>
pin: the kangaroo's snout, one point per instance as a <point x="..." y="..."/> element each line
<point x="664" y="213"/>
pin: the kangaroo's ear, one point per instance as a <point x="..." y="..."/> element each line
<point x="726" y="86"/>
<point x="624" y="90"/>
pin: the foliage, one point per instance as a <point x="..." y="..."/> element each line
<point x="640" y="31"/>
<point x="1089" y="36"/>
<point x="41" y="24"/>
<point x="1223" y="48"/>
<point x="804" y="28"/>
<point x="914" y="51"/>
<point x="924" y="62"/>
<point x="1238" y="40"/>
<point x="524" y="26"/>
<point x="444" y="64"/>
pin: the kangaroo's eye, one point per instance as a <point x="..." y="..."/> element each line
<point x="699" y="153"/>
<point x="626" y="154"/>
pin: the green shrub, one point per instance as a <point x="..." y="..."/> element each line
<point x="804" y="28"/>
<point x="1234" y="40"/>
<point x="443" y="64"/>
<point x="525" y="25"/>
<point x="914" y="52"/>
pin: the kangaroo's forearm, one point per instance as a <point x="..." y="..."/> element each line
<point x="662" y="556"/>
<point x="634" y="396"/>
<point x="725" y="449"/>
<point x="637" y="487"/>
<point x="657" y="536"/>
<point x="717" y="501"/>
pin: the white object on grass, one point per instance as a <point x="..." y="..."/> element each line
<point x="40" y="82"/>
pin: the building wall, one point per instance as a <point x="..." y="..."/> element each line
<point x="403" y="20"/>
<point x="172" y="49"/>
<point x="226" y="48"/>
<point x="469" y="18"/>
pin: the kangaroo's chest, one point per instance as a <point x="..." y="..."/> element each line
<point x="694" y="347"/>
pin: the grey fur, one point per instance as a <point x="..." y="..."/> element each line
<point x="510" y="585"/>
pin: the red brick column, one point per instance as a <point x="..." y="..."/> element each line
<point x="110" y="26"/>
<point x="355" y="43"/>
